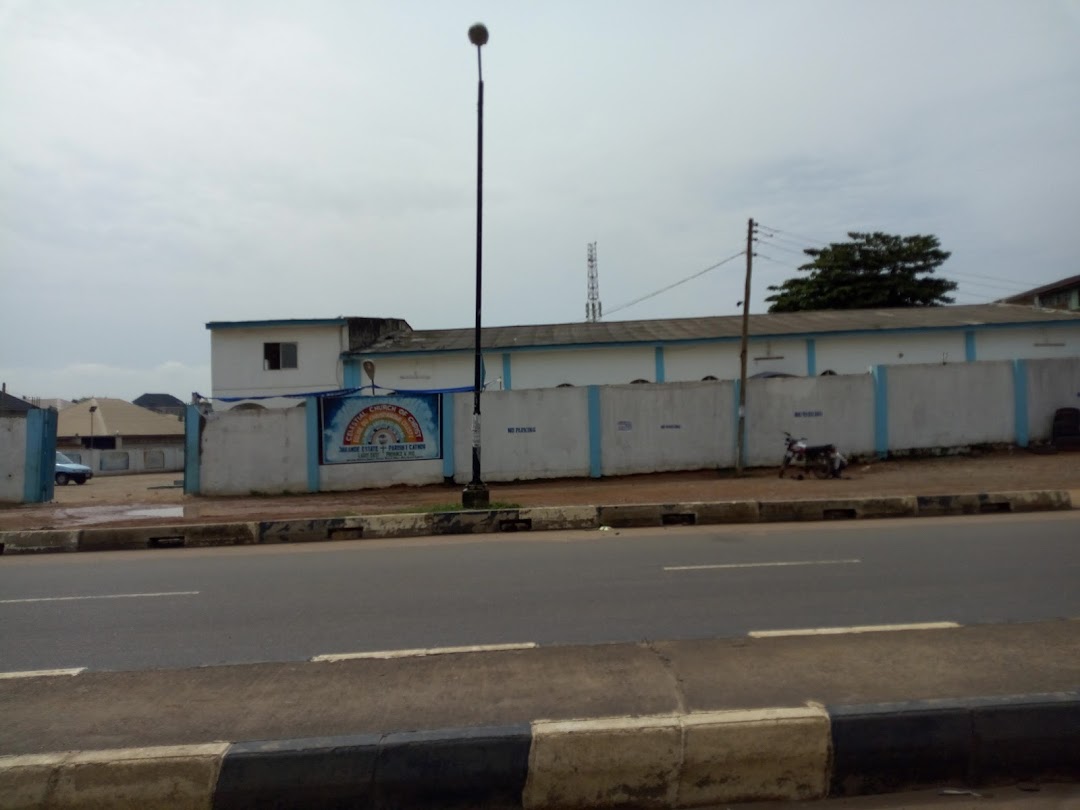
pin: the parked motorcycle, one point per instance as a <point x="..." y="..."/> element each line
<point x="822" y="460"/>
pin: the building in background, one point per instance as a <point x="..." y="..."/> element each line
<point x="116" y="436"/>
<point x="1064" y="294"/>
<point x="259" y="363"/>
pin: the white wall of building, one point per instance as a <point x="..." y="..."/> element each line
<point x="129" y="460"/>
<point x="12" y="458"/>
<point x="254" y="451"/>
<point x="950" y="406"/>
<point x="673" y="426"/>
<point x="1052" y="384"/>
<point x="1028" y="343"/>
<point x="857" y="353"/>
<point x="237" y="360"/>
<point x="540" y="433"/>
<point x="824" y="410"/>
<point x="583" y="366"/>
<point x="692" y="363"/>
<point x="428" y="372"/>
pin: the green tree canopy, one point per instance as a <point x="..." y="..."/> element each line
<point x="873" y="270"/>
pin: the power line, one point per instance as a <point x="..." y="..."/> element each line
<point x="789" y="233"/>
<point x="720" y="263"/>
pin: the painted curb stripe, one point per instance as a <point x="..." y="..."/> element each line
<point x="41" y="673"/>
<point x="422" y="653"/>
<point x="759" y="565"/>
<point x="866" y="628"/>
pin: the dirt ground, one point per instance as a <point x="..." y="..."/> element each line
<point x="132" y="500"/>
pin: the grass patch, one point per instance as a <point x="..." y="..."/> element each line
<point x="457" y="507"/>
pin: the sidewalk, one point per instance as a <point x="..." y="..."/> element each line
<point x="154" y="499"/>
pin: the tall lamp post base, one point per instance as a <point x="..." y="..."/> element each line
<point x="476" y="495"/>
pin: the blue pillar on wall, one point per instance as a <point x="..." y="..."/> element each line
<point x="659" y="353"/>
<point x="446" y="411"/>
<point x="507" y="383"/>
<point x="192" y="450"/>
<point x="811" y="358"/>
<point x="1020" y="402"/>
<point x="881" y="411"/>
<point x="969" y="346"/>
<point x="311" y="415"/>
<point x="595" y="459"/>
<point x="350" y="373"/>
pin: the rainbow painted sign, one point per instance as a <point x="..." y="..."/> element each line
<point x="359" y="429"/>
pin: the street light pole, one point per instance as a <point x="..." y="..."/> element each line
<point x="476" y="494"/>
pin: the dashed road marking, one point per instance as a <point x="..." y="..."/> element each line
<point x="760" y="565"/>
<point x="866" y="628"/>
<point x="102" y="596"/>
<point x="420" y="653"/>
<point x="41" y="673"/>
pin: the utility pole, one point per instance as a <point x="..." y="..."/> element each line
<point x="739" y="449"/>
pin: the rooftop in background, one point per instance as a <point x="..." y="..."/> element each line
<point x="11" y="404"/>
<point x="728" y="327"/>
<point x="155" y="401"/>
<point x="113" y="417"/>
<point x="1064" y="294"/>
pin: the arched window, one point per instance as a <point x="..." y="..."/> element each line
<point x="637" y="381"/>
<point x="249" y="406"/>
<point x="708" y="378"/>
<point x="565" y="385"/>
<point x="828" y="373"/>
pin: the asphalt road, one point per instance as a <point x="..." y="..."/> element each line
<point x="187" y="607"/>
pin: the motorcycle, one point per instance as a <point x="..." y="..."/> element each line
<point x="823" y="460"/>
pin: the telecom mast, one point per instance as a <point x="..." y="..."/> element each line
<point x="593" y="309"/>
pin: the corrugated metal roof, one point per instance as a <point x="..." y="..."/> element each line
<point x="674" y="330"/>
<point x="115" y="416"/>
<point x="1065" y="283"/>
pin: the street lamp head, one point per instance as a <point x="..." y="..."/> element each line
<point x="478" y="34"/>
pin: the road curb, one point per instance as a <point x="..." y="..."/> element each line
<point x="549" y="518"/>
<point x="663" y="761"/>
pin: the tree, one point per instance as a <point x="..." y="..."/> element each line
<point x="873" y="270"/>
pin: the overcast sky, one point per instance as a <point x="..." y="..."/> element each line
<point x="165" y="164"/>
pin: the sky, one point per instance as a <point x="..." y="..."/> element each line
<point x="168" y="164"/>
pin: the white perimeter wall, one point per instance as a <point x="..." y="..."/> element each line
<point x="541" y="433"/>
<point x="837" y="410"/>
<point x="950" y="405"/>
<point x="254" y="451"/>
<point x="1052" y="384"/>
<point x="236" y="360"/>
<point x="545" y="433"/>
<point x="12" y="458"/>
<point x="675" y="426"/>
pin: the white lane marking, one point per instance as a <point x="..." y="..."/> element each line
<point x="41" y="673"/>
<point x="103" y="596"/>
<point x="866" y="628"/>
<point x="420" y="653"/>
<point x="760" y="565"/>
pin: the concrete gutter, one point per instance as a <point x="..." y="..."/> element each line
<point x="550" y="518"/>
<point x="677" y="760"/>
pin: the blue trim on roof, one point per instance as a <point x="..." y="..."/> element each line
<point x="506" y="372"/>
<point x="658" y="357"/>
<point x="446" y="405"/>
<point x="811" y="358"/>
<point x="596" y="469"/>
<point x="969" y="346"/>
<point x="284" y="322"/>
<point x="192" y="450"/>
<point x="794" y="336"/>
<point x="1020" y="402"/>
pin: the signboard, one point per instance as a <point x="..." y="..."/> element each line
<point x="362" y="429"/>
